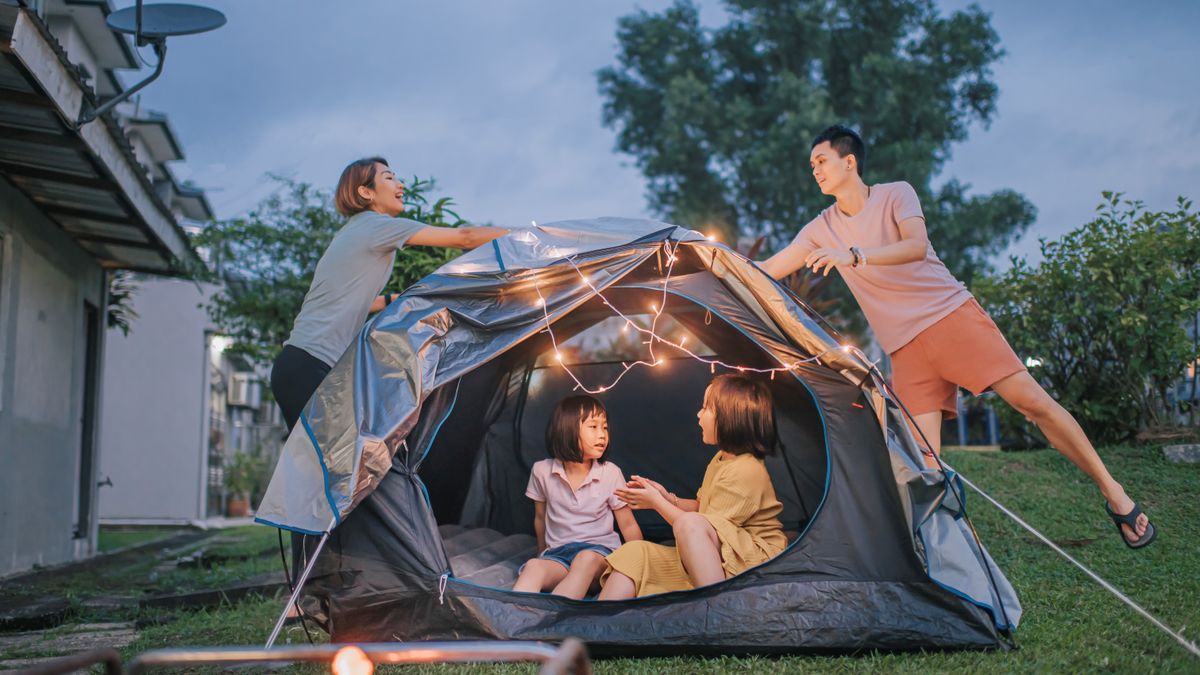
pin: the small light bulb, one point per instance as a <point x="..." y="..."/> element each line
<point x="711" y="237"/>
<point x="654" y="306"/>
<point x="846" y="348"/>
<point x="659" y="362"/>
<point x="741" y="369"/>
<point x="558" y="356"/>
<point x="682" y="340"/>
<point x="351" y="660"/>
<point x="772" y="373"/>
<point x="541" y="302"/>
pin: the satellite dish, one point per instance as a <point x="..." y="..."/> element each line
<point x="161" y="21"/>
<point x="152" y="25"/>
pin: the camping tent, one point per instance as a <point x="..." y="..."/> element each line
<point x="413" y="455"/>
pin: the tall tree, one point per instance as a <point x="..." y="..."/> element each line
<point x="720" y="119"/>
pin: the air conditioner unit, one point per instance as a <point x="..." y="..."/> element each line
<point x="245" y="390"/>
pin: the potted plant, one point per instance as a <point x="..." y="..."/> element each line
<point x="241" y="478"/>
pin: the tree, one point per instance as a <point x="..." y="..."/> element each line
<point x="264" y="262"/>
<point x="1105" y="316"/>
<point x="719" y="120"/>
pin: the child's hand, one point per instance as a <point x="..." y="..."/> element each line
<point x="642" y="481"/>
<point x="638" y="496"/>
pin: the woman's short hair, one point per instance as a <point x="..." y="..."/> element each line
<point x="745" y="415"/>
<point x="562" y="433"/>
<point x="359" y="173"/>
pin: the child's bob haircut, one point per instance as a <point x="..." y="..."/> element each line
<point x="745" y="415"/>
<point x="562" y="433"/>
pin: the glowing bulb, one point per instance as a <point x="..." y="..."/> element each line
<point x="711" y="237"/>
<point x="558" y="356"/>
<point x="601" y="389"/>
<point x="352" y="660"/>
<point x="541" y="302"/>
<point x="659" y="362"/>
<point x="772" y="373"/>
<point x="654" y="306"/>
<point x="741" y="369"/>
<point x="712" y="367"/>
<point x="682" y="340"/>
<point x="625" y="328"/>
<point x="846" y="348"/>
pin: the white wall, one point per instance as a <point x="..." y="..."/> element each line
<point x="154" y="392"/>
<point x="46" y="280"/>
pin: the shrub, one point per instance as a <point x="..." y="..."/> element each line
<point x="1103" y="315"/>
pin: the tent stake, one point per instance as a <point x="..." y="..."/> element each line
<point x="312" y="561"/>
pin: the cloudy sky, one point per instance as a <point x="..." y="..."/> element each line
<point x="498" y="101"/>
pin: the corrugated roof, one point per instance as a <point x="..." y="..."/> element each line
<point x="86" y="180"/>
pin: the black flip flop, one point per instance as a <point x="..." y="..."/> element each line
<point x="1130" y="519"/>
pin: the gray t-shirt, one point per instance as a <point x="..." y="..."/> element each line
<point x="349" y="276"/>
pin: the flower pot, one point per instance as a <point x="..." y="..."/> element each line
<point x="237" y="507"/>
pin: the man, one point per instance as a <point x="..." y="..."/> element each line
<point x="938" y="336"/>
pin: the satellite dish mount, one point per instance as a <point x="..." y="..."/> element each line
<point x="152" y="25"/>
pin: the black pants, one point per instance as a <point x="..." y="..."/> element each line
<point x="295" y="375"/>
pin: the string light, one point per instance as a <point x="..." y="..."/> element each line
<point x="653" y="360"/>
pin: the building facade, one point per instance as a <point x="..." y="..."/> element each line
<point x="76" y="203"/>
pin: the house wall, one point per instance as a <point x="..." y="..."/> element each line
<point x="45" y="279"/>
<point x="158" y="373"/>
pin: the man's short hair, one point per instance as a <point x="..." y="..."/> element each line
<point x="846" y="142"/>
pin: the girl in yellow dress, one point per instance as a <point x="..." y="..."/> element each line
<point x="732" y="525"/>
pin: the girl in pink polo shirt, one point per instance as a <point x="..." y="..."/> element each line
<point x="574" y="504"/>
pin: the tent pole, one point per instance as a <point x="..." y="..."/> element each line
<point x="312" y="561"/>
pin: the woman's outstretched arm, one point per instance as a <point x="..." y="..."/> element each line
<point x="455" y="237"/>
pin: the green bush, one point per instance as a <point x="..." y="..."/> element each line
<point x="1105" y="312"/>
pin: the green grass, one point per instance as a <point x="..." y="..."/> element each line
<point x="113" y="538"/>
<point x="1070" y="623"/>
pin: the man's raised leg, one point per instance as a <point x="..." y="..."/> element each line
<point x="1023" y="392"/>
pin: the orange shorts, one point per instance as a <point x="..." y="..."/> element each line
<point x="963" y="349"/>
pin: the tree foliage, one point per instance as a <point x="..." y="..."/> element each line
<point x="720" y="120"/>
<point x="264" y="262"/>
<point x="1106" y="314"/>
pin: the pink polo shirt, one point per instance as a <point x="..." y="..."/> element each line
<point x="584" y="515"/>
<point x="899" y="301"/>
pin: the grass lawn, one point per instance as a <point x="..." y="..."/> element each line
<point x="1070" y="623"/>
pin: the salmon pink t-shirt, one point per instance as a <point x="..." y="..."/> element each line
<point x="899" y="301"/>
<point x="577" y="516"/>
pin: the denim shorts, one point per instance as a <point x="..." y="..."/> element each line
<point x="564" y="555"/>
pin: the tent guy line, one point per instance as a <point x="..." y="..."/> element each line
<point x="1104" y="583"/>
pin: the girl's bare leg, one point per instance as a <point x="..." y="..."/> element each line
<point x="618" y="587"/>
<point x="539" y="575"/>
<point x="585" y="571"/>
<point x="699" y="549"/>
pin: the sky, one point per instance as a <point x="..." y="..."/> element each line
<point x="498" y="101"/>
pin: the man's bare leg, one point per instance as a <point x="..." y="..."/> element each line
<point x="1024" y="394"/>
<point x="929" y="424"/>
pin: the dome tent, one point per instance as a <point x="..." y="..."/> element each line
<point x="412" y="457"/>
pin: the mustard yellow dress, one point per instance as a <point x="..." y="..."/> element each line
<point x="738" y="499"/>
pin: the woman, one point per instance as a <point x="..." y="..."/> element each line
<point x="732" y="525"/>
<point x="350" y="275"/>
